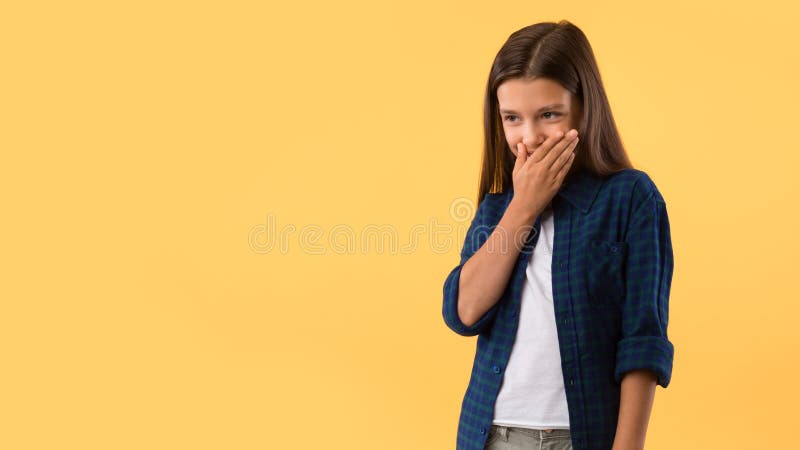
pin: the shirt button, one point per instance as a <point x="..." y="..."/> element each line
<point x="496" y="369"/>
<point x="565" y="321"/>
<point x="614" y="249"/>
<point x="483" y="430"/>
<point x="571" y="382"/>
<point x="561" y="265"/>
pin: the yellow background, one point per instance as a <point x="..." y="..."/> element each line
<point x="145" y="144"/>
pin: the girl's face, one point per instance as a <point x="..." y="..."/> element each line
<point x="533" y="110"/>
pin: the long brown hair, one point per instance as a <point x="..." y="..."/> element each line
<point x="561" y="52"/>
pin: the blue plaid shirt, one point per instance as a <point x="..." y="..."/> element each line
<point x="612" y="270"/>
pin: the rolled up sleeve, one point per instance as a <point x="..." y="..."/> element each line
<point x="648" y="276"/>
<point x="477" y="234"/>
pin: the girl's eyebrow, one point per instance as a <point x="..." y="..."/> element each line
<point x="553" y="106"/>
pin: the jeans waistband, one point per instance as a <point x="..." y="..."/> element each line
<point x="547" y="433"/>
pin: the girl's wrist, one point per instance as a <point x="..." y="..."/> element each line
<point x="523" y="213"/>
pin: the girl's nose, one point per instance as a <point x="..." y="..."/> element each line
<point x="532" y="145"/>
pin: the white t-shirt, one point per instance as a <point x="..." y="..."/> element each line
<point x="532" y="392"/>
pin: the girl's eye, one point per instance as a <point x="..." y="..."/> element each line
<point x="553" y="115"/>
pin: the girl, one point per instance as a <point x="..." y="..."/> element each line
<point x="566" y="268"/>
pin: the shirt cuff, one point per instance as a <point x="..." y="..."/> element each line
<point x="450" y="307"/>
<point x="655" y="353"/>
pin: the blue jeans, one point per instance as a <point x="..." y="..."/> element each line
<point x="518" y="438"/>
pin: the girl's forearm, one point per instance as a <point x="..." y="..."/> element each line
<point x="636" y="401"/>
<point x="485" y="275"/>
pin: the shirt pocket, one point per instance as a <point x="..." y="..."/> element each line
<point x="605" y="274"/>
